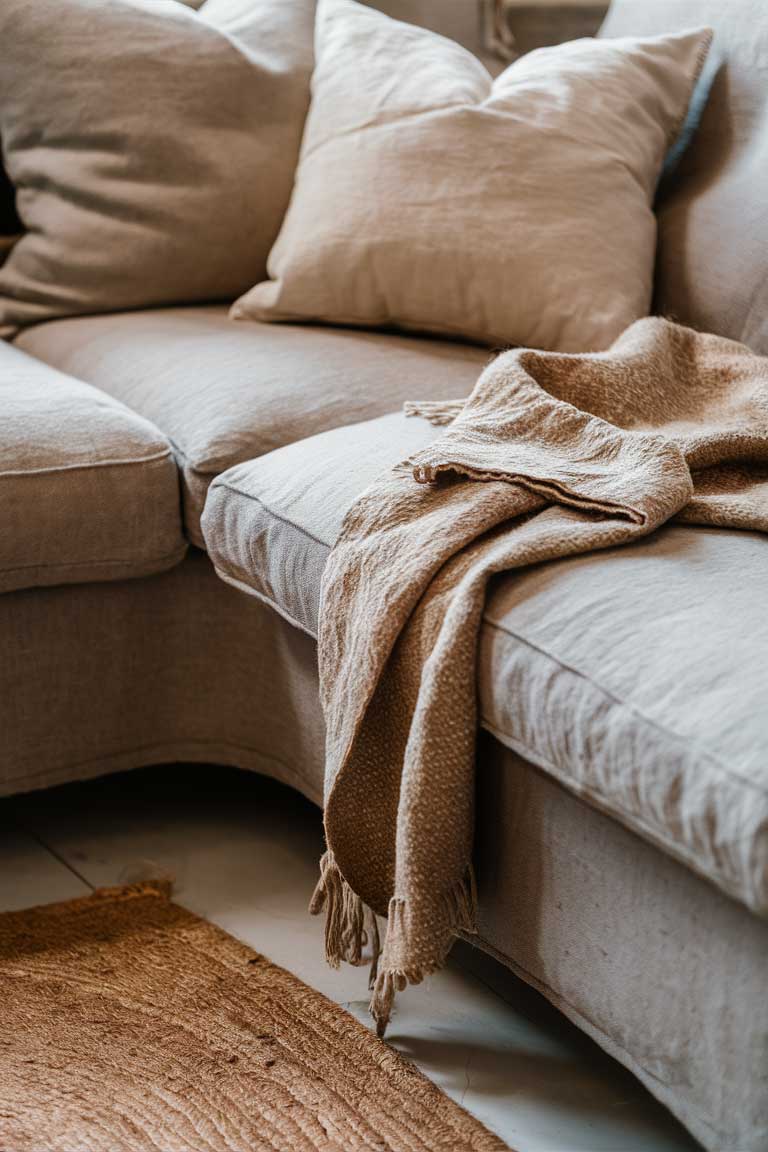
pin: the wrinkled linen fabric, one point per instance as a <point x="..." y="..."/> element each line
<point x="550" y="456"/>
<point x="431" y="197"/>
<point x="152" y="149"/>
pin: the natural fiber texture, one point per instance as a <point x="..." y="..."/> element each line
<point x="431" y="197"/>
<point x="576" y="453"/>
<point x="128" y="1023"/>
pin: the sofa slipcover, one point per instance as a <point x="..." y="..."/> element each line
<point x="713" y="217"/>
<point x="663" y="970"/>
<point x="629" y="675"/>
<point x="88" y="490"/>
<point x="224" y="391"/>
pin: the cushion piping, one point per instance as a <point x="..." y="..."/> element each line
<point x="739" y="889"/>
<point x="669" y="733"/>
<point x="130" y="561"/>
<point x="631" y="820"/>
<point x="86" y="465"/>
<point x="271" y="512"/>
<point x="41" y="577"/>
<point x="617" y="700"/>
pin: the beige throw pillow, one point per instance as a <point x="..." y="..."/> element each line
<point x="515" y="211"/>
<point x="153" y="154"/>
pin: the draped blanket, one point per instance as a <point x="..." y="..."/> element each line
<point x="550" y="455"/>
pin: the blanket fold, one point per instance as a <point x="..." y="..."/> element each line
<point x="551" y="455"/>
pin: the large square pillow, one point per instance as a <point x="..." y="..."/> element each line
<point x="516" y="211"/>
<point x="152" y="152"/>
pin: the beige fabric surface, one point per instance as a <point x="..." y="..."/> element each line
<point x="146" y="695"/>
<point x="153" y="154"/>
<point x="281" y="34"/>
<point x="514" y="211"/>
<point x="573" y="454"/>
<point x="666" y="974"/>
<point x="269" y="524"/>
<point x="224" y="392"/>
<point x="88" y="489"/>
<point x="713" y="219"/>
<point x="105" y="677"/>
<point x="627" y="674"/>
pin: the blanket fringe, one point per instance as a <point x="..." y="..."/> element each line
<point x="350" y="926"/>
<point x="460" y="916"/>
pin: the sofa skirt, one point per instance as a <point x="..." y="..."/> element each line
<point x="661" y="969"/>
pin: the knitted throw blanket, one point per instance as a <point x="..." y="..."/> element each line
<point x="550" y="455"/>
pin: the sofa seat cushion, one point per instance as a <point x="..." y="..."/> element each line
<point x="224" y="391"/>
<point x="88" y="489"/>
<point x="634" y="676"/>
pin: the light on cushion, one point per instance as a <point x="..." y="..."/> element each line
<point x="515" y="211"/>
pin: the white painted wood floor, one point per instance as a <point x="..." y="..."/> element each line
<point x="243" y="852"/>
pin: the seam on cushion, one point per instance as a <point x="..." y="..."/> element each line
<point x="632" y="820"/>
<point x="87" y="466"/>
<point x="186" y="462"/>
<point x="282" y="519"/>
<point x="178" y="551"/>
<point x="698" y="68"/>
<point x="211" y="471"/>
<point x="557" y="998"/>
<point x="508" y="632"/>
<point x="669" y="733"/>
<point x="185" y="458"/>
<point x="249" y="590"/>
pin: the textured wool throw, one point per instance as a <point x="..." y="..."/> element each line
<point x="551" y="455"/>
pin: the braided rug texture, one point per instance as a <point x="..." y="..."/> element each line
<point x="127" y="1022"/>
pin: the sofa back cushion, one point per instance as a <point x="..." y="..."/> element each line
<point x="152" y="152"/>
<point x="713" y="217"/>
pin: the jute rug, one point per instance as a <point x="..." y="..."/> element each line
<point x="128" y="1023"/>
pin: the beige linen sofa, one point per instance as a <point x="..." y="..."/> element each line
<point x="622" y="814"/>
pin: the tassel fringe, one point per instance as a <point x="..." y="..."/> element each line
<point x="346" y="917"/>
<point x="351" y="926"/>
